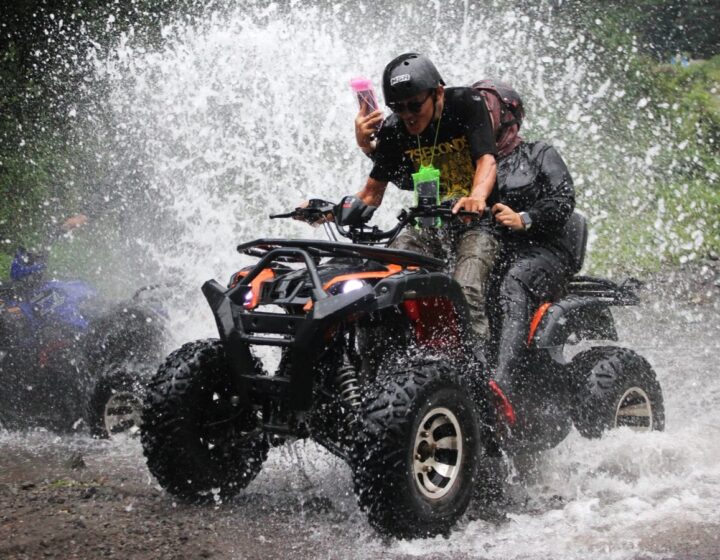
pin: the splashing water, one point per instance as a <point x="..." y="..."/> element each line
<point x="246" y="110"/>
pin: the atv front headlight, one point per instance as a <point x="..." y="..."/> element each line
<point x="351" y="285"/>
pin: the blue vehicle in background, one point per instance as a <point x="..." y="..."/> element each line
<point x="69" y="357"/>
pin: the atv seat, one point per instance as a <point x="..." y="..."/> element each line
<point x="576" y="234"/>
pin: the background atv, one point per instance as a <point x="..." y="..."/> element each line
<point x="68" y="355"/>
<point x="377" y="364"/>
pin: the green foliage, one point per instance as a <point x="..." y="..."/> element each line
<point x="5" y="261"/>
<point x="696" y="90"/>
<point x="662" y="208"/>
<point x="41" y="175"/>
<point x="662" y="27"/>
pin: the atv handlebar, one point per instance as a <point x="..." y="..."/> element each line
<point x="313" y="213"/>
<point x="351" y="215"/>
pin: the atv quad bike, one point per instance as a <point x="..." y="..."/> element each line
<point x="378" y="364"/>
<point x="67" y="355"/>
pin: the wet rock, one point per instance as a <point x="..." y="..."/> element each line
<point x="27" y="485"/>
<point x="76" y="462"/>
<point x="8" y="490"/>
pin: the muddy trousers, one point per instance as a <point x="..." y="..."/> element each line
<point x="468" y="254"/>
<point x="523" y="279"/>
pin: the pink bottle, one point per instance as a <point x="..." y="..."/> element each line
<point x="365" y="94"/>
<point x="366" y="97"/>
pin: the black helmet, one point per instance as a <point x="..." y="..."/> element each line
<point x="408" y="75"/>
<point x="511" y="101"/>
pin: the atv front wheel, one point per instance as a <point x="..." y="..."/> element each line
<point x="199" y="443"/>
<point x="115" y="404"/>
<point x="415" y="461"/>
<point x="618" y="388"/>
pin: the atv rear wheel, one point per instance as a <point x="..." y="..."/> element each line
<point x="125" y="334"/>
<point x="115" y="404"/>
<point x="199" y="444"/>
<point x="415" y="461"/>
<point x="618" y="388"/>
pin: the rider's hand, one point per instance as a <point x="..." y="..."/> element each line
<point x="506" y="216"/>
<point x="365" y="128"/>
<point x="470" y="204"/>
<point x="74" y="222"/>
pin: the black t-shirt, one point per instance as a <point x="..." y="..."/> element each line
<point x="465" y="135"/>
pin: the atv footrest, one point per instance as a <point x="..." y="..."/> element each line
<point x="271" y="323"/>
<point x="267" y="340"/>
<point x="278" y="387"/>
<point x="258" y="328"/>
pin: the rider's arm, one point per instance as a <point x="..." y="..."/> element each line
<point x="485" y="175"/>
<point x="556" y="201"/>
<point x="552" y="190"/>
<point x="373" y="191"/>
<point x="483" y="184"/>
<point x="482" y="150"/>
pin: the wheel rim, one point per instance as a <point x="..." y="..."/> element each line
<point x="123" y="413"/>
<point x="438" y="453"/>
<point x="634" y="411"/>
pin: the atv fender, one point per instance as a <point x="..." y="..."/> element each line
<point x="588" y="318"/>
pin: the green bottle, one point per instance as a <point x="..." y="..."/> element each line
<point x="426" y="183"/>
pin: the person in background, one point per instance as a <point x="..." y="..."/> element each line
<point x="28" y="266"/>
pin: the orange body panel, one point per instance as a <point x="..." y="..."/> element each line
<point x="435" y="321"/>
<point x="373" y="275"/>
<point x="539" y="314"/>
<point x="503" y="404"/>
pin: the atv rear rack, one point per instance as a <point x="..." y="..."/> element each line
<point x="618" y="294"/>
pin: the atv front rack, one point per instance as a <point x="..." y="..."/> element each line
<point x="241" y="328"/>
<point x="303" y="335"/>
<point x="318" y="249"/>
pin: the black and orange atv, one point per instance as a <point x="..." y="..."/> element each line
<point x="377" y="364"/>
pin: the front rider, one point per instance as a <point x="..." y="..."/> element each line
<point x="449" y="129"/>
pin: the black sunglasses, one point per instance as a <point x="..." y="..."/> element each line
<point x="412" y="106"/>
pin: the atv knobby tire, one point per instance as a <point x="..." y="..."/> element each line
<point x="415" y="462"/>
<point x="199" y="444"/>
<point x="617" y="388"/>
<point x="115" y="403"/>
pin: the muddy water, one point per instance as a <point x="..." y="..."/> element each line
<point x="625" y="496"/>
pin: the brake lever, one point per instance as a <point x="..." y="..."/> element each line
<point x="287" y="215"/>
<point x="311" y="216"/>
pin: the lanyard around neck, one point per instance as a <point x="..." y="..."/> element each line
<point x="432" y="153"/>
